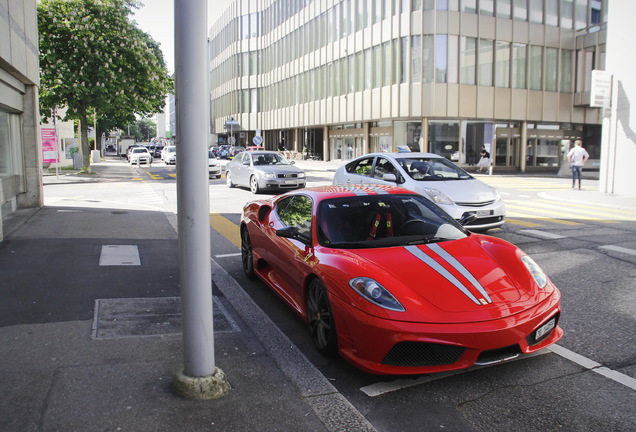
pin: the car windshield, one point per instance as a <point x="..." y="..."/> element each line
<point x="139" y="150"/>
<point x="269" y="159"/>
<point x="432" y="169"/>
<point x="375" y="221"/>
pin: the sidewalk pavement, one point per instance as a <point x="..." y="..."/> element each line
<point x="90" y="347"/>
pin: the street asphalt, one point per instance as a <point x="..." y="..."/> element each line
<point x="91" y="338"/>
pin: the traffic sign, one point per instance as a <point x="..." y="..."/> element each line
<point x="231" y="140"/>
<point x="257" y="140"/>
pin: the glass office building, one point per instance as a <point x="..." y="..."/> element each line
<point x="337" y="79"/>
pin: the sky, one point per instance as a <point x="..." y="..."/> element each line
<point x="156" y="18"/>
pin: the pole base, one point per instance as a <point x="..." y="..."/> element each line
<point x="212" y="386"/>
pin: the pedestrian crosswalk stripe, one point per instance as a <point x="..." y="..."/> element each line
<point x="523" y="223"/>
<point x="550" y="208"/>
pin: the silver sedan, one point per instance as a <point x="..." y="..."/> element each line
<point x="436" y="178"/>
<point x="261" y="170"/>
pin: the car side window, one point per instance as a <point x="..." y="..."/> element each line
<point x="383" y="166"/>
<point x="296" y="211"/>
<point x="361" y="167"/>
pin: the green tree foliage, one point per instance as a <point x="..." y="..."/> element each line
<point x="94" y="59"/>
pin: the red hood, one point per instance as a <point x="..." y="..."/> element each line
<point x="457" y="277"/>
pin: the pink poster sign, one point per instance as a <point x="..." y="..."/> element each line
<point x="49" y="145"/>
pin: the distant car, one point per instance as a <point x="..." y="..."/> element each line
<point x="213" y="165"/>
<point x="157" y="151"/>
<point x="170" y="155"/>
<point x="130" y="149"/>
<point x="254" y="148"/>
<point x="224" y="152"/>
<point x="395" y="285"/>
<point x="261" y="170"/>
<point x="433" y="176"/>
<point x="236" y="150"/>
<point x="139" y="155"/>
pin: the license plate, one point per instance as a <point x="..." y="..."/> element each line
<point x="290" y="181"/>
<point x="545" y="329"/>
<point x="484" y="213"/>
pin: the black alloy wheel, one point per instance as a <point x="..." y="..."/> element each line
<point x="320" y="319"/>
<point x="247" y="257"/>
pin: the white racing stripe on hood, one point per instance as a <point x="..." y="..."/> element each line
<point x="442" y="271"/>
<point x="460" y="268"/>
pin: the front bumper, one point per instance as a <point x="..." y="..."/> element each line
<point x="488" y="216"/>
<point x="382" y="346"/>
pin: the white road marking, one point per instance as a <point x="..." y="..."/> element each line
<point x="543" y="234"/>
<point x="227" y="255"/>
<point x="619" y="249"/>
<point x="594" y="366"/>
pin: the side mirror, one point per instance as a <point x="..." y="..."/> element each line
<point x="246" y="162"/>
<point x="293" y="233"/>
<point x="389" y="177"/>
<point x="292" y="162"/>
<point x="467" y="218"/>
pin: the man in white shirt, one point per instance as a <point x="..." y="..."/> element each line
<point x="577" y="157"/>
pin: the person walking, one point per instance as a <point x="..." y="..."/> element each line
<point x="577" y="157"/>
<point x="484" y="161"/>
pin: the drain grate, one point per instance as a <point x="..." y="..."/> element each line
<point x="133" y="317"/>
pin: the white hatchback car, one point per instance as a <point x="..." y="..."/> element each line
<point x="169" y="155"/>
<point x="214" y="167"/>
<point x="139" y="155"/>
<point x="457" y="192"/>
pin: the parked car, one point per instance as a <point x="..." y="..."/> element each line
<point x="139" y="155"/>
<point x="169" y="155"/>
<point x="213" y="165"/>
<point x="129" y="150"/>
<point x="433" y="176"/>
<point x="394" y="284"/>
<point x="236" y="150"/>
<point x="157" y="151"/>
<point x="260" y="170"/>
<point x="224" y="151"/>
<point x="254" y="148"/>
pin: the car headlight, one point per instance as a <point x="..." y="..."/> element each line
<point x="536" y="272"/>
<point x="269" y="175"/>
<point x="375" y="293"/>
<point x="301" y="175"/>
<point x="438" y="197"/>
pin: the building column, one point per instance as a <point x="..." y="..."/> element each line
<point x="523" y="151"/>
<point x="424" y="135"/>
<point x="365" y="138"/>
<point x="32" y="195"/>
<point x="326" y="154"/>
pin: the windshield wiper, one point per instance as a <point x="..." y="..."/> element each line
<point x="427" y="240"/>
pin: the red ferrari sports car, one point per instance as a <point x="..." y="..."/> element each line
<point x="396" y="286"/>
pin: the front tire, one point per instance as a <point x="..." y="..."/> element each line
<point x="247" y="256"/>
<point x="228" y="180"/>
<point x="322" y="327"/>
<point x="254" y="185"/>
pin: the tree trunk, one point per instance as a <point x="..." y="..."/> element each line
<point x="86" y="150"/>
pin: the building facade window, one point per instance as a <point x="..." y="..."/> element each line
<point x="10" y="144"/>
<point x="535" y="68"/>
<point x="467" y="59"/>
<point x="520" y="10"/>
<point x="443" y="137"/>
<point x="566" y="71"/>
<point x="504" y="8"/>
<point x="519" y="66"/>
<point x="441" y="58"/>
<point x="428" y="56"/>
<point x="486" y="61"/>
<point x="502" y="64"/>
<point x="551" y="68"/>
